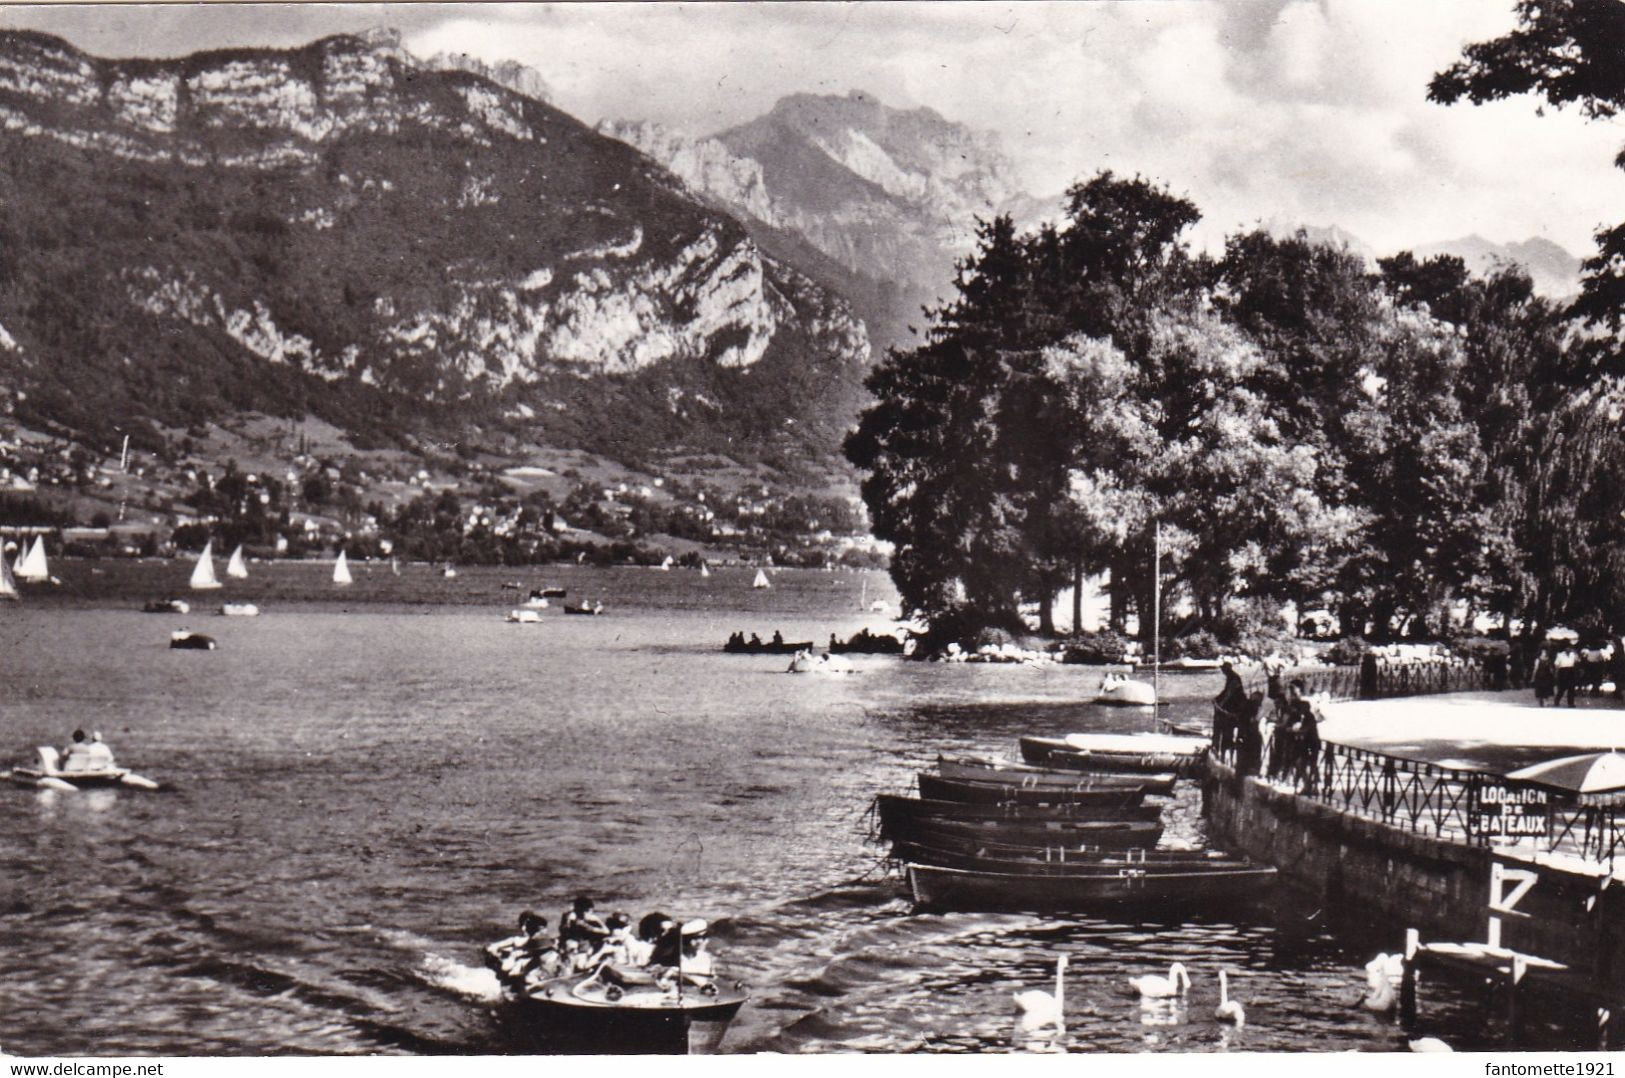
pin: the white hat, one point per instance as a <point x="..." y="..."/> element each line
<point x="695" y="927"/>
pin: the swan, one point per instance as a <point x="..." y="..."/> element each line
<point x="1228" y="1009"/>
<point x="1038" y="1008"/>
<point x="1153" y="987"/>
<point x="1429" y="1044"/>
<point x="1381" y="975"/>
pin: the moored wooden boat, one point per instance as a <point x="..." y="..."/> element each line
<point x="1055" y="849"/>
<point x="589" y="1014"/>
<point x="1149" y="892"/>
<point x="166" y="606"/>
<point x="185" y="640"/>
<point x="1152" y="756"/>
<point x="939" y="788"/>
<point x="894" y="806"/>
<point x="981" y="769"/>
<point x="1119" y="834"/>
<point x="1109" y="862"/>
<point x="768" y="647"/>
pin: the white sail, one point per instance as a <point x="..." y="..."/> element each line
<point x="8" y="586"/>
<point x="236" y="568"/>
<point x="666" y="565"/>
<point x="704" y="570"/>
<point x="395" y="566"/>
<point x="341" y="570"/>
<point x="33" y="567"/>
<point x="203" y="576"/>
<point x="760" y="581"/>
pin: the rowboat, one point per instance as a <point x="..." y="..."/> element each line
<point x="166" y="606"/>
<point x="1104" y="863"/>
<point x="767" y="647"/>
<point x="190" y="641"/>
<point x="979" y="769"/>
<point x="938" y="788"/>
<point x="906" y="827"/>
<point x="1120" y="753"/>
<point x="957" y="888"/>
<point x="583" y="607"/>
<point x="895" y="806"/>
<point x="948" y="841"/>
<point x="594" y="1015"/>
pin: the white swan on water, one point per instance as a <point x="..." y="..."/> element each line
<point x="1228" y="1009"/>
<point x="1153" y="987"/>
<point x="1429" y="1044"/>
<point x="1038" y="1008"/>
<point x="1382" y="975"/>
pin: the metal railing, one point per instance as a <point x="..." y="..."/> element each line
<point x="1385" y="679"/>
<point x="1454" y="804"/>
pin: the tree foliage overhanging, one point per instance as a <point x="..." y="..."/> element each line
<point x="1298" y="428"/>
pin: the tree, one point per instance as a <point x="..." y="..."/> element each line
<point x="1570" y="52"/>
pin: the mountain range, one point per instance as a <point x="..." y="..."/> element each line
<point x="398" y="248"/>
<point x="421" y="251"/>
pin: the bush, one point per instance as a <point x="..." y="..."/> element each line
<point x="1200" y="644"/>
<point x="1095" y="648"/>
<point x="1346" y="652"/>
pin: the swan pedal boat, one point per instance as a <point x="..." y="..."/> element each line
<point x="1127" y="692"/>
<point x="822" y="664"/>
<point x="49" y="776"/>
<point x="599" y="1014"/>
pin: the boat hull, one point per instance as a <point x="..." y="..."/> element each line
<point x="941" y="788"/>
<point x="79" y="780"/>
<point x="893" y="806"/>
<point x="1104" y="863"/>
<point x="1056" y="753"/>
<point x="962" y="889"/>
<point x="1030" y="776"/>
<point x="770" y="648"/>
<point x="553" y="1019"/>
<point x="1039" y="833"/>
<point x="994" y="848"/>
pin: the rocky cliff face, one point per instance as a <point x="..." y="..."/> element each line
<point x="890" y="195"/>
<point x="345" y="214"/>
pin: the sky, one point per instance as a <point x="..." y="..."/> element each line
<point x="1307" y="112"/>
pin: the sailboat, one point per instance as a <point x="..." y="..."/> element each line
<point x="761" y="580"/>
<point x="203" y="577"/>
<point x="33" y="567"/>
<point x="8" y="586"/>
<point x="236" y="568"/>
<point x="704" y="569"/>
<point x="665" y="566"/>
<point x="341" y="570"/>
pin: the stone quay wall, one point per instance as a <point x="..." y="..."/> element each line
<point x="1415" y="881"/>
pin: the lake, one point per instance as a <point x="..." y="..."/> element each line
<point x="367" y="785"/>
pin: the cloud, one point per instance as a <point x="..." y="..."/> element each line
<point x="1313" y="110"/>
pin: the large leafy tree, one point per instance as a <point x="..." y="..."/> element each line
<point x="1569" y="52"/>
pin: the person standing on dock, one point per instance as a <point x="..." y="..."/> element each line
<point x="1227" y="708"/>
<point x="1305" y="725"/>
<point x="1544" y="678"/>
<point x="1567" y="665"/>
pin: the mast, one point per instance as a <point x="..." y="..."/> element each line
<point x="1156" y="614"/>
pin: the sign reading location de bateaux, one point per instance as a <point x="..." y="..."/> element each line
<point x="1499" y="811"/>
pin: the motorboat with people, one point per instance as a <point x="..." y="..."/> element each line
<point x="536" y="600"/>
<point x="600" y="988"/>
<point x="806" y="662"/>
<point x="584" y="607"/>
<point x="186" y="640"/>
<point x="86" y="763"/>
<point x="166" y="606"/>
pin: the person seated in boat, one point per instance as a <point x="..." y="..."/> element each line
<point x="755" y="640"/>
<point x="75" y="755"/>
<point x="99" y="753"/>
<point x="698" y="965"/>
<point x="516" y="958"/>
<point x="778" y="638"/>
<point x="581" y="933"/>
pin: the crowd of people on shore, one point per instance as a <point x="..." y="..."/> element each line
<point x="1292" y="746"/>
<point x="659" y="950"/>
